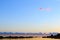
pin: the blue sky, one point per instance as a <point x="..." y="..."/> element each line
<point x="25" y="16"/>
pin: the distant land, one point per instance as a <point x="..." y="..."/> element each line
<point x="26" y="35"/>
<point x="39" y="34"/>
<point x="29" y="33"/>
<point x="57" y="36"/>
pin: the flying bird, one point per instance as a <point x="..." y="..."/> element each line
<point x="40" y="8"/>
<point x="45" y="9"/>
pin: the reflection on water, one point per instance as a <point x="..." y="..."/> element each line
<point x="31" y="39"/>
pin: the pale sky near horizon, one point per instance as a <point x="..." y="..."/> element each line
<point x="26" y="16"/>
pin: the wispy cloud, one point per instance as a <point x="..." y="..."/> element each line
<point x="48" y="9"/>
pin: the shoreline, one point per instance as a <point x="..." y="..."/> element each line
<point x="1" y="37"/>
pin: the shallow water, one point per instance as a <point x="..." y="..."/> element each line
<point x="31" y="39"/>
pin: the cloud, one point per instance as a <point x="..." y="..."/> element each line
<point x="48" y="9"/>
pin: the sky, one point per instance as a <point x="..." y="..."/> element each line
<point x="29" y="15"/>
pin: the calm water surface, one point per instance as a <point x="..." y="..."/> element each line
<point x="32" y="39"/>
